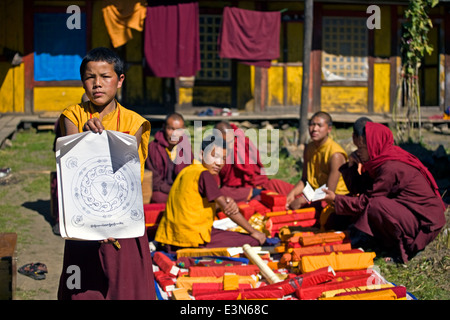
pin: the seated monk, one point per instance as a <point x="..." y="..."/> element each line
<point x="395" y="202"/>
<point x="168" y="154"/>
<point x="188" y="219"/>
<point x="243" y="177"/>
<point x="322" y="159"/>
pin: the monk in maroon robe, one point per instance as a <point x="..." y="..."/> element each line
<point x="242" y="177"/>
<point x="396" y="202"/>
<point x="164" y="168"/>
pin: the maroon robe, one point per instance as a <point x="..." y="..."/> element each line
<point x="106" y="273"/>
<point x="244" y="171"/>
<point x="397" y="207"/>
<point x="171" y="39"/>
<point x="164" y="170"/>
<point x="252" y="37"/>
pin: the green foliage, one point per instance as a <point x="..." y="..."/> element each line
<point x="414" y="45"/>
<point x="415" y="40"/>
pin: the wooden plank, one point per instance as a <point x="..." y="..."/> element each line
<point x="8" y="265"/>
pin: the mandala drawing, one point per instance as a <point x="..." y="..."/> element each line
<point x="100" y="192"/>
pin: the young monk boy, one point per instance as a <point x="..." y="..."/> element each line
<point x="394" y="201"/>
<point x="168" y="154"/>
<point x="322" y="159"/>
<point x="107" y="271"/>
<point x="191" y="206"/>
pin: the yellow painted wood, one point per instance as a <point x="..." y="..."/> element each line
<point x="442" y="79"/>
<point x="243" y="89"/>
<point x="185" y="96"/>
<point x="275" y="86"/>
<point x="344" y="99"/>
<point x="56" y="98"/>
<point x="212" y="95"/>
<point x="381" y="87"/>
<point x="12" y="90"/>
<point x="294" y="85"/>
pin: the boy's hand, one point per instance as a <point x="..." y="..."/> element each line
<point x="297" y="203"/>
<point x="231" y="208"/>
<point x="94" y="125"/>
<point x="261" y="237"/>
<point x="330" y="195"/>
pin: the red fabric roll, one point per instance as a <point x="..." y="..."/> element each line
<point x="165" y="263"/>
<point x="399" y="291"/>
<point x="314" y="292"/>
<point x="219" y="271"/>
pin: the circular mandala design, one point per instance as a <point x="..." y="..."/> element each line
<point x="102" y="193"/>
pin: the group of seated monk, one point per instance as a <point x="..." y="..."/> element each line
<point x="382" y="194"/>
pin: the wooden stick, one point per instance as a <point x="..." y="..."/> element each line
<point x="263" y="267"/>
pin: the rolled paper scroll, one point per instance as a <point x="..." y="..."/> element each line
<point x="263" y="267"/>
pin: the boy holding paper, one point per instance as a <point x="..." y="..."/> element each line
<point x="322" y="159"/>
<point x="108" y="270"/>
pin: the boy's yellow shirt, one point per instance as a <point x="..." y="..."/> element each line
<point x="121" y="119"/>
<point x="188" y="218"/>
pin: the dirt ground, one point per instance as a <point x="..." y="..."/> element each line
<point x="47" y="248"/>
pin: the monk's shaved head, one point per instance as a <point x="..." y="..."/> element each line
<point x="223" y="126"/>
<point x="174" y="116"/>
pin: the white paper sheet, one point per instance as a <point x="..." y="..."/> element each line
<point x="99" y="186"/>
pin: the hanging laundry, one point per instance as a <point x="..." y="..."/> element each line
<point x="122" y="16"/>
<point x="251" y="37"/>
<point x="171" y="39"/>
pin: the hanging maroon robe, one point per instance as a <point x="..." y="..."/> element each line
<point x="397" y="203"/>
<point x="171" y="38"/>
<point x="251" y="37"/>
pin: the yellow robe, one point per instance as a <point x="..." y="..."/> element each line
<point x="188" y="218"/>
<point x="121" y="119"/>
<point x="318" y="166"/>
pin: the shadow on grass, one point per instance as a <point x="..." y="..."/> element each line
<point x="43" y="208"/>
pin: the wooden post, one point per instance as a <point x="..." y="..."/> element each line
<point x="307" y="44"/>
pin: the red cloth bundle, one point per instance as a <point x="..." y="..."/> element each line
<point x="273" y="199"/>
<point x="314" y="292"/>
<point x="165" y="263"/>
<point x="219" y="271"/>
<point x="259" y="207"/>
<point x="201" y="288"/>
<point x="399" y="291"/>
<point x="273" y="228"/>
<point x="297" y="253"/>
<point x="307" y="279"/>
<point x="260" y="293"/>
<point x="296" y="216"/>
<point x="321" y="238"/>
<point x="165" y="281"/>
<point x="153" y="213"/>
<point x="246" y="210"/>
